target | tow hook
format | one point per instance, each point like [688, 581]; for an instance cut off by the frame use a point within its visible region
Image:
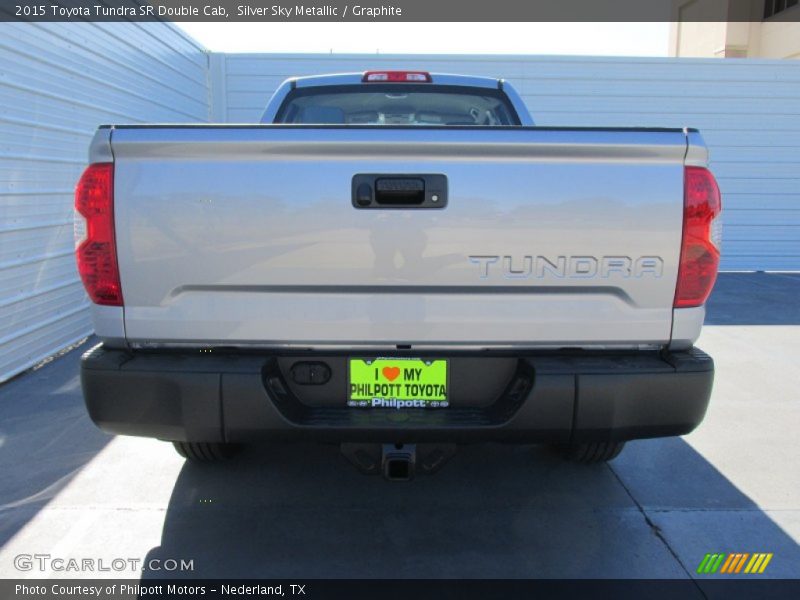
[398, 461]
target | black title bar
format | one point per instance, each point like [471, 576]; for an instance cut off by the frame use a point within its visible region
[391, 10]
[416, 589]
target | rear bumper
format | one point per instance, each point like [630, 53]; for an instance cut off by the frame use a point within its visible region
[548, 398]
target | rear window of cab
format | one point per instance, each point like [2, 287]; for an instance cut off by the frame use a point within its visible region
[397, 104]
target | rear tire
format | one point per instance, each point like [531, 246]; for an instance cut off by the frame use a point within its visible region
[589, 453]
[205, 452]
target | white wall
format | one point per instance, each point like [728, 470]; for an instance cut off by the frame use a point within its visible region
[748, 112]
[58, 82]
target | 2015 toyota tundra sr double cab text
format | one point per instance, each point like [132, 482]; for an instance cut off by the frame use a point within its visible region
[397, 262]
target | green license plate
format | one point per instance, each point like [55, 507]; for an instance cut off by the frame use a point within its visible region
[397, 383]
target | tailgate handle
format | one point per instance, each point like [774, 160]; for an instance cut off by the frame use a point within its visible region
[399, 191]
[409, 191]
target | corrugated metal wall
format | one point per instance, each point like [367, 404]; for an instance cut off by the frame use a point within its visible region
[747, 110]
[57, 83]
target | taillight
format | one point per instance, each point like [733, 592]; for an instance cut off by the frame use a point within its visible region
[95, 247]
[701, 238]
[396, 77]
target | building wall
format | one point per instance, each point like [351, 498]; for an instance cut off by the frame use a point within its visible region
[696, 39]
[58, 82]
[733, 29]
[768, 39]
[777, 39]
[748, 112]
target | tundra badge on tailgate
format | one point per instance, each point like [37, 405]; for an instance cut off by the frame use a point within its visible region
[583, 267]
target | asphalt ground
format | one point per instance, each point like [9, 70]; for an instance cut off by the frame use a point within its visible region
[495, 511]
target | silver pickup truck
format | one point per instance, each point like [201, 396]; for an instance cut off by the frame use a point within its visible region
[397, 262]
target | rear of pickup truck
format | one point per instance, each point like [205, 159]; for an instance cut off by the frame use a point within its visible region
[397, 285]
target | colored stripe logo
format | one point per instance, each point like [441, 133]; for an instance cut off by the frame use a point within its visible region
[734, 563]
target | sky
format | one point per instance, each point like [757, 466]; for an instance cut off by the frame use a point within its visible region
[600, 39]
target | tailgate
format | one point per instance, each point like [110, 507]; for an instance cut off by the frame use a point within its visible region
[250, 236]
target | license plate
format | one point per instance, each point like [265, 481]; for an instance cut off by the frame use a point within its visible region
[397, 383]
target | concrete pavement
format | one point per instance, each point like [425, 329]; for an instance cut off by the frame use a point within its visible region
[301, 510]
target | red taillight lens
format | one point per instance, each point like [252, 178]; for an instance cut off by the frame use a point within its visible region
[397, 77]
[96, 251]
[700, 247]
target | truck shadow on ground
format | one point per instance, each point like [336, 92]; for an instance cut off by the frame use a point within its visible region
[495, 511]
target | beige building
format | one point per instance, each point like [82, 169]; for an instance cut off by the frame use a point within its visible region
[735, 28]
